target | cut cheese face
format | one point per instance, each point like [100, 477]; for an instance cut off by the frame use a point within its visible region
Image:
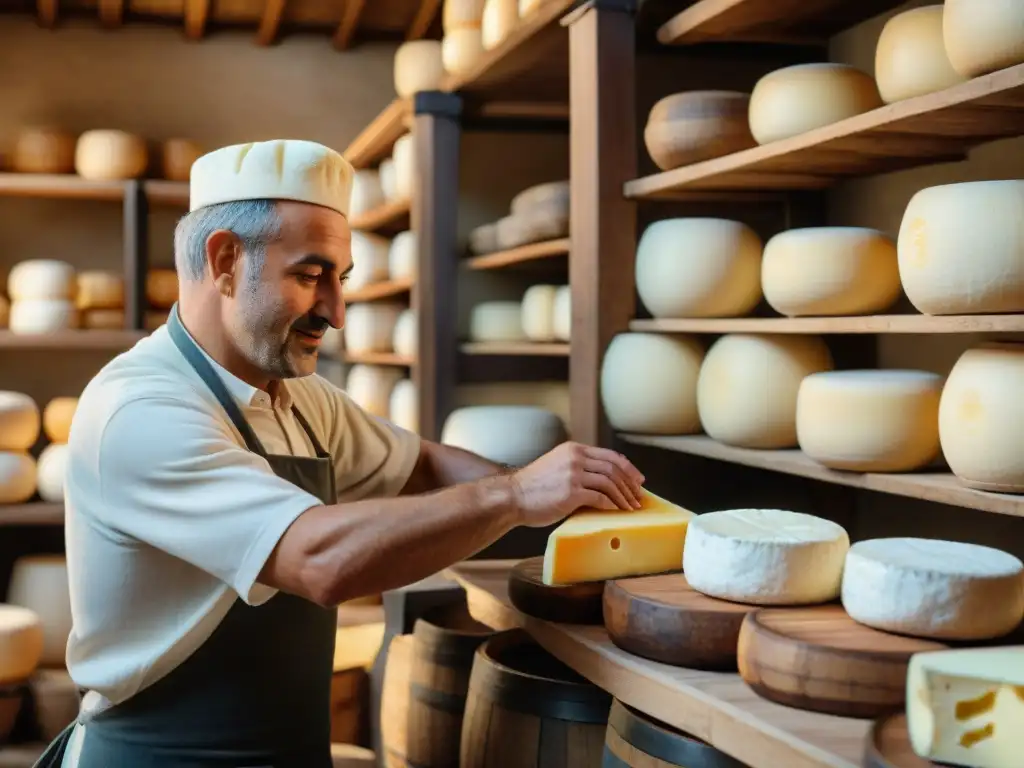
[595, 545]
[943, 590]
[766, 556]
[966, 706]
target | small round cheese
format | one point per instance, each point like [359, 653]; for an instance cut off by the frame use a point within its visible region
[461, 13]
[403, 256]
[649, 383]
[870, 421]
[944, 590]
[50, 467]
[802, 97]
[57, 701]
[43, 315]
[538, 312]
[961, 248]
[57, 416]
[388, 181]
[177, 157]
[161, 288]
[404, 339]
[43, 150]
[982, 36]
[551, 196]
[367, 192]
[107, 155]
[404, 157]
[497, 321]
[484, 239]
[765, 556]
[17, 478]
[830, 271]
[332, 342]
[461, 49]
[562, 320]
[21, 643]
[19, 421]
[369, 260]
[370, 387]
[369, 326]
[41, 279]
[506, 434]
[500, 17]
[40, 583]
[98, 289]
[981, 414]
[699, 268]
[692, 126]
[748, 386]
[102, 319]
[910, 58]
[403, 408]
[418, 67]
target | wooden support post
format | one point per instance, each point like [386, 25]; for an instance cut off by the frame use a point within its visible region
[135, 235]
[435, 199]
[602, 158]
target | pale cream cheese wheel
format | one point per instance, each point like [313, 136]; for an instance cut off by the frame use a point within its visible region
[461, 13]
[403, 407]
[562, 321]
[40, 583]
[57, 417]
[21, 643]
[110, 155]
[527, 7]
[982, 36]
[499, 18]
[41, 279]
[497, 321]
[418, 67]
[43, 150]
[161, 288]
[20, 421]
[461, 49]
[17, 477]
[403, 154]
[404, 339]
[370, 386]
[388, 180]
[910, 57]
[538, 312]
[370, 326]
[50, 468]
[688, 127]
[99, 289]
[506, 434]
[367, 192]
[403, 256]
[369, 260]
[43, 316]
[547, 222]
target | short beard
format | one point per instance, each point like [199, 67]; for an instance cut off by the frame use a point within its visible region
[261, 339]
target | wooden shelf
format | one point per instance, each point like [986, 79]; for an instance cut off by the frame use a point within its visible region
[526, 348]
[32, 513]
[940, 487]
[59, 186]
[375, 141]
[170, 193]
[73, 339]
[382, 290]
[390, 217]
[717, 707]
[908, 324]
[377, 358]
[937, 127]
[521, 255]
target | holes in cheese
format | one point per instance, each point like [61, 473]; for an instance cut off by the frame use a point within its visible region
[98, 289]
[17, 476]
[403, 407]
[461, 49]
[403, 256]
[981, 36]
[507, 434]
[370, 386]
[57, 416]
[367, 192]
[497, 321]
[499, 19]
[21, 643]
[910, 57]
[692, 126]
[404, 156]
[110, 155]
[369, 260]
[594, 545]
[418, 67]
[19, 421]
[404, 339]
[370, 326]
[945, 590]
[40, 584]
[50, 467]
[34, 279]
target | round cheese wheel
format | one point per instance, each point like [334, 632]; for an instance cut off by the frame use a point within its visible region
[98, 289]
[21, 643]
[830, 271]
[57, 701]
[332, 342]
[19, 421]
[528, 6]
[352, 756]
[403, 256]
[800, 98]
[41, 279]
[177, 156]
[5, 311]
[404, 339]
[102, 319]
[910, 58]
[506, 434]
[961, 248]
[532, 226]
[538, 312]
[403, 408]
[43, 150]
[562, 321]
[369, 260]
[161, 288]
[945, 590]
[108, 155]
[981, 36]
[404, 156]
[40, 583]
[499, 19]
[551, 196]
[461, 13]
[369, 326]
[50, 468]
[388, 181]
[692, 126]
[497, 321]
[649, 383]
[370, 387]
[461, 49]
[418, 67]
[17, 479]
[765, 556]
[748, 387]
[699, 268]
[980, 417]
[43, 316]
[484, 239]
[57, 416]
[367, 192]
[870, 421]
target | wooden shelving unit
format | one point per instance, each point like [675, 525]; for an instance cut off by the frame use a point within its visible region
[378, 358]
[907, 324]
[524, 348]
[389, 218]
[385, 289]
[32, 513]
[526, 254]
[71, 340]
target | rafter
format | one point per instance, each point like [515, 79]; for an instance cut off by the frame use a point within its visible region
[111, 13]
[46, 10]
[196, 14]
[424, 18]
[273, 10]
[349, 24]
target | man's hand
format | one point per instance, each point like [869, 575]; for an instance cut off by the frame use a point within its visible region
[573, 476]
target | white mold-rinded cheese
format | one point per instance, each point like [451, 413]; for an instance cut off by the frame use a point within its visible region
[403, 154]
[50, 467]
[43, 315]
[370, 386]
[20, 421]
[403, 407]
[403, 256]
[161, 288]
[507, 434]
[830, 271]
[17, 477]
[699, 267]
[965, 706]
[461, 49]
[404, 339]
[961, 248]
[910, 57]
[369, 260]
[57, 416]
[21, 643]
[802, 97]
[870, 421]
[980, 417]
[367, 192]
[370, 326]
[497, 321]
[40, 583]
[765, 556]
[418, 67]
[748, 386]
[500, 17]
[944, 590]
[982, 36]
[538, 312]
[388, 180]
[563, 313]
[649, 383]
[99, 289]
[461, 13]
[110, 155]
[41, 279]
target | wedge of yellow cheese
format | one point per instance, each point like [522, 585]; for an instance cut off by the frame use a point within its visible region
[594, 545]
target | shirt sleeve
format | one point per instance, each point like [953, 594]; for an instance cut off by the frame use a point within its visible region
[173, 476]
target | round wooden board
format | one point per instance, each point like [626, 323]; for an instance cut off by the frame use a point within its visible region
[888, 745]
[567, 604]
[664, 619]
[818, 658]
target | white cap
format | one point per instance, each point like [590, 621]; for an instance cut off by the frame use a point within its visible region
[282, 169]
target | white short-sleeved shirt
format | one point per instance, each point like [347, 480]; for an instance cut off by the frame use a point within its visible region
[170, 518]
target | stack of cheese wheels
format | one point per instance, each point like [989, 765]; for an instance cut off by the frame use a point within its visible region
[21, 648]
[110, 155]
[367, 192]
[982, 36]
[43, 150]
[100, 299]
[418, 67]
[404, 338]
[57, 418]
[370, 386]
[403, 256]
[369, 260]
[462, 45]
[696, 267]
[540, 212]
[539, 307]
[500, 17]
[403, 407]
[910, 58]
[507, 434]
[748, 386]
[42, 294]
[793, 100]
[961, 248]
[691, 126]
[403, 155]
[370, 326]
[20, 423]
[497, 321]
[177, 157]
[649, 383]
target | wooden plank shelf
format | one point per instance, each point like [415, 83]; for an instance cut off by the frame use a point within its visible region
[390, 217]
[934, 128]
[32, 513]
[377, 358]
[522, 255]
[71, 340]
[169, 193]
[59, 186]
[940, 487]
[525, 348]
[383, 290]
[717, 707]
[906, 324]
[376, 140]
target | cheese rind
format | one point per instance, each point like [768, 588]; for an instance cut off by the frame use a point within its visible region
[497, 321]
[50, 470]
[34, 279]
[981, 36]
[418, 67]
[57, 417]
[369, 260]
[20, 421]
[370, 386]
[17, 477]
[370, 327]
[910, 58]
[538, 312]
[367, 192]
[765, 556]
[506, 434]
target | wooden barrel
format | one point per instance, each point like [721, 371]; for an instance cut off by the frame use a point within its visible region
[394, 702]
[445, 642]
[522, 701]
[634, 740]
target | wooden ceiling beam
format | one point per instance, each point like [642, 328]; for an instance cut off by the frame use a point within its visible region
[111, 13]
[273, 10]
[424, 18]
[196, 14]
[349, 24]
[46, 12]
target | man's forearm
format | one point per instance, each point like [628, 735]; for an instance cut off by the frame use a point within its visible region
[443, 465]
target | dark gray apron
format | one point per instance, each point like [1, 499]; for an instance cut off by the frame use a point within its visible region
[256, 694]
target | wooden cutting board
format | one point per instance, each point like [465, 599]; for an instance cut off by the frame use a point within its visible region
[566, 604]
[818, 658]
[888, 745]
[664, 619]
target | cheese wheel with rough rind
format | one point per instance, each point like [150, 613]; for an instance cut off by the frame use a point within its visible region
[369, 260]
[109, 155]
[692, 126]
[99, 289]
[533, 226]
[50, 467]
[367, 192]
[506, 434]
[562, 321]
[403, 256]
[40, 583]
[418, 67]
[910, 57]
[981, 36]
[43, 316]
[461, 49]
[403, 407]
[370, 386]
[41, 279]
[388, 180]
[20, 421]
[404, 339]
[43, 150]
[500, 17]
[57, 417]
[17, 477]
[497, 321]
[21, 643]
[538, 312]
[370, 326]
[161, 288]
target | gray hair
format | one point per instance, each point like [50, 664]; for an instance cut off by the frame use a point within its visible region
[255, 222]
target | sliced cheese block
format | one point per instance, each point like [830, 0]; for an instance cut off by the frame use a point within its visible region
[19, 421]
[981, 36]
[370, 386]
[98, 289]
[689, 127]
[43, 315]
[965, 706]
[699, 268]
[980, 418]
[532, 226]
[50, 468]
[404, 157]
[43, 150]
[418, 67]
[57, 701]
[945, 590]
[404, 339]
[17, 477]
[161, 288]
[506, 434]
[369, 260]
[21, 643]
[830, 271]
[177, 156]
[388, 180]
[367, 192]
[461, 49]
[497, 321]
[5, 311]
[41, 279]
[40, 583]
[500, 17]
[594, 545]
[484, 239]
[802, 97]
[551, 196]
[649, 383]
[765, 556]
[403, 256]
[461, 13]
[57, 416]
[748, 387]
[403, 408]
[370, 327]
[538, 312]
[910, 57]
[108, 155]
[562, 320]
[961, 248]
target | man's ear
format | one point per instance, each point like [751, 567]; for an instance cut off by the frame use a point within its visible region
[224, 258]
